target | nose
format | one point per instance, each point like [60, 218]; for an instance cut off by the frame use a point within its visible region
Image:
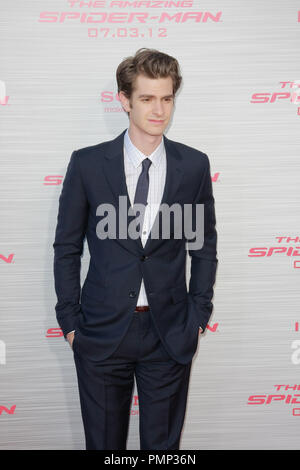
[158, 108]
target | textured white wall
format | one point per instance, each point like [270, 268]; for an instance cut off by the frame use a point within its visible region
[53, 75]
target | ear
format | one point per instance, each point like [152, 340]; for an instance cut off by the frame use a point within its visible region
[124, 101]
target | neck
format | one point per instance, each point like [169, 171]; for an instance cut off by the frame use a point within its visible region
[146, 143]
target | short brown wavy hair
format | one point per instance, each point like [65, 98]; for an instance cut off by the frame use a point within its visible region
[151, 63]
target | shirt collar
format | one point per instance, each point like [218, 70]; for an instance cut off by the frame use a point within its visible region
[136, 156]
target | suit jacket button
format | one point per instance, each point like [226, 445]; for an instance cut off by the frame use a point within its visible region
[132, 294]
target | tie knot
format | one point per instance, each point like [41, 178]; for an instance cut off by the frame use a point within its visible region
[146, 164]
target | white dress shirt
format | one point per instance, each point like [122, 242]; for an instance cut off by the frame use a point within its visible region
[133, 158]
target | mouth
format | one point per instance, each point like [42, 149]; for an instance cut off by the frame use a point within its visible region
[156, 121]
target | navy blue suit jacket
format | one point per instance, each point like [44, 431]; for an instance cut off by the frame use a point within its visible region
[101, 311]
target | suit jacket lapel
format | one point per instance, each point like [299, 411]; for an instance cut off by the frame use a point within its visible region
[115, 174]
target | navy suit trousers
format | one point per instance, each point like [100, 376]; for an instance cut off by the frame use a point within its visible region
[106, 387]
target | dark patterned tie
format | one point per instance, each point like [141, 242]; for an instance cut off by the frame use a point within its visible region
[142, 187]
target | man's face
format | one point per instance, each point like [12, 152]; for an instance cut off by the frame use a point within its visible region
[151, 105]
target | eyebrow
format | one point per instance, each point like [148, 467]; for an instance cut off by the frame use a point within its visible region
[152, 96]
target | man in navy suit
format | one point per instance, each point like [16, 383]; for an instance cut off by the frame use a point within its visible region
[134, 316]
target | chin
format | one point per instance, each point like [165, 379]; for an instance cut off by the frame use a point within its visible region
[156, 130]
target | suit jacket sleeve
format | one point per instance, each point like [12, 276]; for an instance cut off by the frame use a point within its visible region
[68, 246]
[204, 261]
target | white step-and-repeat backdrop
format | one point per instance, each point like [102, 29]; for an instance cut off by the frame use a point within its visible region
[239, 103]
